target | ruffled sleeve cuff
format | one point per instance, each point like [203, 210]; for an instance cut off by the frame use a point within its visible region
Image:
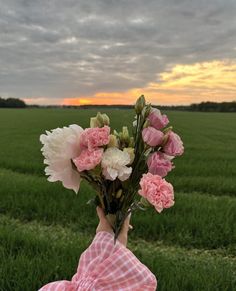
[107, 266]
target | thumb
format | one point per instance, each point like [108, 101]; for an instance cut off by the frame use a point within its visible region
[125, 227]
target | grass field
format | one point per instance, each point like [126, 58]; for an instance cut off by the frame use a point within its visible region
[44, 227]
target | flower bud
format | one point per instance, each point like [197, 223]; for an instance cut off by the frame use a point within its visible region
[113, 142]
[122, 198]
[125, 133]
[103, 118]
[131, 142]
[165, 138]
[146, 124]
[140, 104]
[148, 109]
[106, 119]
[94, 122]
[115, 133]
[130, 151]
[135, 123]
[119, 193]
[169, 128]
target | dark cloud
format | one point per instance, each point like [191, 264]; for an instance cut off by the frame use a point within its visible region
[70, 48]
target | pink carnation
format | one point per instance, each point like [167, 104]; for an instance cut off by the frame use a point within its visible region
[156, 119]
[159, 164]
[88, 159]
[157, 191]
[174, 145]
[152, 136]
[95, 137]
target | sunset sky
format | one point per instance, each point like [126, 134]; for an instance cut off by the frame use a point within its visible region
[111, 52]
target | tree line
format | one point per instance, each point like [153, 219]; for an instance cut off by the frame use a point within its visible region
[214, 106]
[203, 106]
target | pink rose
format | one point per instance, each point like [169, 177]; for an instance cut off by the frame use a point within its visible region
[88, 159]
[159, 164]
[156, 119]
[95, 137]
[174, 145]
[157, 191]
[152, 136]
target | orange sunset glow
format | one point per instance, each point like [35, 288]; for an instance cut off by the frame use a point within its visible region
[180, 84]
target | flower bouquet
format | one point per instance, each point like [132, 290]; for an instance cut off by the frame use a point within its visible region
[126, 170]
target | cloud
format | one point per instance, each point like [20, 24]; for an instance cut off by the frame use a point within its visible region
[181, 84]
[60, 49]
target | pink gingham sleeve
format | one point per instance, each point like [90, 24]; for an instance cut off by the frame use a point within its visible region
[106, 266]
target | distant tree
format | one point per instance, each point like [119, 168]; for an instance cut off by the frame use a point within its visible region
[2, 102]
[12, 103]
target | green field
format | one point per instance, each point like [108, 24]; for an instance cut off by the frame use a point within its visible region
[44, 227]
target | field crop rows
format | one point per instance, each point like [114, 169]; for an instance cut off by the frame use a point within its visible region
[189, 247]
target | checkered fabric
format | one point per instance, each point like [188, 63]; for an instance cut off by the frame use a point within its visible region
[106, 266]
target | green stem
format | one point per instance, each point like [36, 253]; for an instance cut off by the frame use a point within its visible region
[137, 127]
[95, 185]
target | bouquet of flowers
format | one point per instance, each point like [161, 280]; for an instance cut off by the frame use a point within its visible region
[125, 170]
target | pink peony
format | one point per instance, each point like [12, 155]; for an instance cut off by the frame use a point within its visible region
[95, 137]
[174, 145]
[88, 159]
[156, 119]
[152, 136]
[159, 164]
[157, 191]
[60, 146]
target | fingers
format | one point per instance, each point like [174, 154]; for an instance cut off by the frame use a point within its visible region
[103, 224]
[123, 235]
[126, 226]
[100, 213]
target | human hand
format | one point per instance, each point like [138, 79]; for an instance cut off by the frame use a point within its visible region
[104, 225]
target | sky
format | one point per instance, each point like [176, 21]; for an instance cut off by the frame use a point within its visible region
[75, 52]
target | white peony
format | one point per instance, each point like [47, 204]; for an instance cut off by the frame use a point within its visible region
[114, 163]
[59, 147]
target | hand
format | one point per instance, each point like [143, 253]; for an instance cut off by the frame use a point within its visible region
[104, 225]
